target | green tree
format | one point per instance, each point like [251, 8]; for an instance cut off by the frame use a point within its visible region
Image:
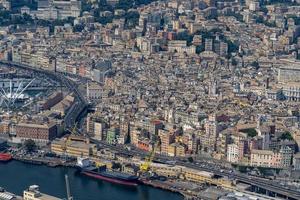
[251, 132]
[116, 165]
[234, 62]
[190, 159]
[78, 27]
[286, 136]
[132, 19]
[255, 64]
[30, 145]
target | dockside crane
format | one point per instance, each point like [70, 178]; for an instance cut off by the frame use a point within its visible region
[145, 167]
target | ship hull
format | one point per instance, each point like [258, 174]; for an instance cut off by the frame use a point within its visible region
[4, 157]
[4, 160]
[108, 179]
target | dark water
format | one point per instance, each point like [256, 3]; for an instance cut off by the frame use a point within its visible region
[16, 176]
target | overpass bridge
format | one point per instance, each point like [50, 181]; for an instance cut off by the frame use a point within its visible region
[78, 107]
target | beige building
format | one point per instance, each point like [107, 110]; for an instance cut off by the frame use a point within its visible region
[233, 155]
[166, 170]
[189, 174]
[33, 193]
[205, 177]
[262, 158]
[289, 72]
[72, 146]
[267, 158]
[166, 137]
[176, 149]
[63, 106]
[180, 46]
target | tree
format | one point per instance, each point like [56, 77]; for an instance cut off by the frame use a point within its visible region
[78, 27]
[286, 136]
[251, 132]
[30, 145]
[116, 165]
[255, 64]
[185, 36]
[132, 19]
[234, 62]
[190, 159]
[200, 48]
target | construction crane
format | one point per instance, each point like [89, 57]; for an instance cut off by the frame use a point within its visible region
[68, 140]
[144, 167]
[74, 130]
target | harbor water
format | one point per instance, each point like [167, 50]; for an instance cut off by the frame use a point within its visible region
[16, 176]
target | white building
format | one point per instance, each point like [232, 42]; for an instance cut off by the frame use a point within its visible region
[54, 9]
[291, 91]
[5, 4]
[180, 46]
[233, 153]
[98, 130]
[254, 6]
[296, 161]
[94, 91]
[33, 193]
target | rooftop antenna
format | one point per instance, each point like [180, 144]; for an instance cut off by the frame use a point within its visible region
[69, 197]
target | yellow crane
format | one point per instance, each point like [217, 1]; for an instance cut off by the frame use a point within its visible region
[68, 139]
[74, 129]
[144, 167]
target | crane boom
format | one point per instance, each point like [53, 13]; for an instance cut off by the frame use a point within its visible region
[148, 160]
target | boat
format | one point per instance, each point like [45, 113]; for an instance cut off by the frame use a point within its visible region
[101, 173]
[5, 157]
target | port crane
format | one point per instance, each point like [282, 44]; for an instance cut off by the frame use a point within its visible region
[74, 130]
[144, 167]
[68, 140]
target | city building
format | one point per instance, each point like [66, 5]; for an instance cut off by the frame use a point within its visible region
[267, 158]
[94, 91]
[73, 146]
[52, 100]
[180, 46]
[41, 133]
[289, 73]
[209, 139]
[166, 138]
[296, 161]
[5, 4]
[33, 193]
[233, 153]
[54, 9]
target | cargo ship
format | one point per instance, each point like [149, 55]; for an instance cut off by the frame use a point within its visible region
[102, 173]
[5, 157]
